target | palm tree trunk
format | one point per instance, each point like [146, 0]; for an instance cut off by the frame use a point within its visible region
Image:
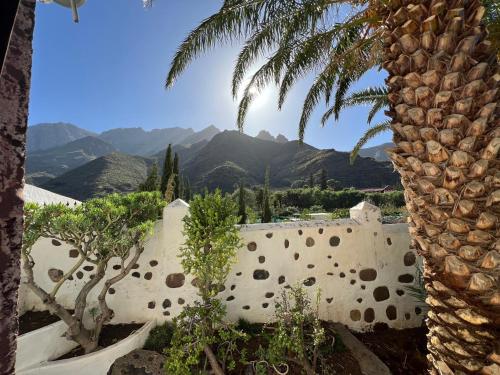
[444, 90]
[14, 93]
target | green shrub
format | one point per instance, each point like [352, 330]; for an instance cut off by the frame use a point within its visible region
[159, 338]
[340, 213]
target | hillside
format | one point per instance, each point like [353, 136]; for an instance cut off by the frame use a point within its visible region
[290, 161]
[108, 174]
[60, 159]
[45, 136]
[376, 152]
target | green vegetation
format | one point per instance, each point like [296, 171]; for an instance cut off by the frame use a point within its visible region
[152, 181]
[168, 169]
[208, 254]
[177, 179]
[99, 230]
[159, 337]
[242, 210]
[267, 215]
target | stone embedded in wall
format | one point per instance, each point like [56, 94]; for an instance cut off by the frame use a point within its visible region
[320, 230]
[300, 232]
[148, 275]
[111, 291]
[391, 312]
[368, 274]
[355, 315]
[265, 305]
[153, 263]
[309, 242]
[406, 278]
[369, 315]
[166, 303]
[79, 274]
[269, 235]
[349, 230]
[166, 313]
[310, 266]
[281, 279]
[73, 253]
[287, 243]
[260, 274]
[88, 268]
[418, 310]
[329, 300]
[353, 282]
[262, 259]
[342, 274]
[329, 273]
[151, 305]
[352, 270]
[233, 287]
[381, 293]
[246, 307]
[181, 301]
[269, 295]
[135, 266]
[252, 246]
[194, 282]
[136, 274]
[310, 281]
[175, 280]
[238, 273]
[55, 242]
[230, 298]
[359, 300]
[335, 264]
[55, 274]
[389, 241]
[296, 256]
[400, 292]
[117, 267]
[334, 241]
[409, 259]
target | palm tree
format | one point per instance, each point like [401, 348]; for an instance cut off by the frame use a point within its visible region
[442, 90]
[14, 95]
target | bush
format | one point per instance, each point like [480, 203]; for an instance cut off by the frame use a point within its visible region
[159, 338]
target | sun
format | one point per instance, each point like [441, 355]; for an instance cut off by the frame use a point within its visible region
[260, 98]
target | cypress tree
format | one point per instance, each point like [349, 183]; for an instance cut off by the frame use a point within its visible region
[242, 210]
[267, 214]
[311, 181]
[187, 190]
[177, 179]
[168, 168]
[323, 179]
[151, 182]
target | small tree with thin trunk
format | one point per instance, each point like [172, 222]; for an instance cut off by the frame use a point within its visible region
[311, 180]
[208, 254]
[99, 230]
[168, 168]
[177, 178]
[267, 214]
[242, 210]
[323, 181]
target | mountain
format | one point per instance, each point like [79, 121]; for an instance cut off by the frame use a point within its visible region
[44, 164]
[112, 173]
[203, 135]
[266, 136]
[137, 141]
[45, 136]
[376, 152]
[231, 155]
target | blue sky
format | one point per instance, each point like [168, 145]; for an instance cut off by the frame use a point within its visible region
[108, 71]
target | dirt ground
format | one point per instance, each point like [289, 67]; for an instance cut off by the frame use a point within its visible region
[403, 351]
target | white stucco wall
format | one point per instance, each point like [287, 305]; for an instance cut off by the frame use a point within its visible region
[334, 256]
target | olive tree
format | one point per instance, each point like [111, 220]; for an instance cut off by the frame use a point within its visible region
[99, 230]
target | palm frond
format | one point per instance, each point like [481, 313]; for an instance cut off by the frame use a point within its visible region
[370, 133]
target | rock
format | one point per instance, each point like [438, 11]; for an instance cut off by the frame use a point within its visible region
[138, 362]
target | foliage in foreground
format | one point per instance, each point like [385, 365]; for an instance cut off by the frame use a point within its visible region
[159, 337]
[98, 230]
[208, 254]
[298, 336]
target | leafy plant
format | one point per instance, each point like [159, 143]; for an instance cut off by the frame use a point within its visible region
[208, 254]
[98, 230]
[417, 290]
[298, 336]
[160, 337]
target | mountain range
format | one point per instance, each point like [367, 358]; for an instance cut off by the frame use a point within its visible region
[81, 164]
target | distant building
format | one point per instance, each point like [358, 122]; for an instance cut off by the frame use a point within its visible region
[35, 194]
[378, 190]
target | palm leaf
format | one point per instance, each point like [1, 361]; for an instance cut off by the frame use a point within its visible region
[370, 133]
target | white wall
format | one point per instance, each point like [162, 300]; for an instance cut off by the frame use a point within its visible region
[365, 246]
